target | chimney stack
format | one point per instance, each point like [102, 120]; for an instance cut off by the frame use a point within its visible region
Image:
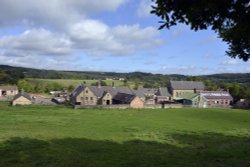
[99, 84]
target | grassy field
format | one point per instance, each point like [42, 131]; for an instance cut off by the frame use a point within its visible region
[52, 136]
[74, 82]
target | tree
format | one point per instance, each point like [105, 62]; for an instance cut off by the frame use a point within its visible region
[70, 88]
[24, 85]
[39, 88]
[228, 18]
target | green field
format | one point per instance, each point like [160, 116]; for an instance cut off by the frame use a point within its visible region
[52, 136]
[74, 82]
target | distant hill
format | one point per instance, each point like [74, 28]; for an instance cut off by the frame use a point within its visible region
[229, 77]
[133, 76]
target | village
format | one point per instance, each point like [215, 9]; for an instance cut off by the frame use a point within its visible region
[180, 94]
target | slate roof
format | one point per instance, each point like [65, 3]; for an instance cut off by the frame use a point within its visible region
[216, 95]
[123, 97]
[77, 91]
[99, 91]
[24, 94]
[142, 91]
[187, 85]
[163, 91]
[5, 88]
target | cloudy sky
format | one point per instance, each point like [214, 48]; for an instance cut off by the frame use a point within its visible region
[110, 35]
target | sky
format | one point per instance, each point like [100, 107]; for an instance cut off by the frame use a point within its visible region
[110, 35]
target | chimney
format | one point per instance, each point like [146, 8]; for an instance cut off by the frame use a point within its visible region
[99, 84]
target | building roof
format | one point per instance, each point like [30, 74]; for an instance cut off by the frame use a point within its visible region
[5, 88]
[187, 85]
[77, 91]
[141, 92]
[216, 95]
[163, 91]
[23, 94]
[100, 90]
[123, 97]
[188, 96]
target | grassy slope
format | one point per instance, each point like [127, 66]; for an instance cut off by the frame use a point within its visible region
[74, 82]
[59, 136]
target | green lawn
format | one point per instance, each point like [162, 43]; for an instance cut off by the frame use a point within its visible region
[51, 136]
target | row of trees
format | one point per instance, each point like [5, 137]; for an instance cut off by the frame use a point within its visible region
[41, 87]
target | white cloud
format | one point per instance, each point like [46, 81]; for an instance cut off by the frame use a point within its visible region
[53, 12]
[230, 62]
[144, 8]
[58, 30]
[35, 42]
[97, 38]
[88, 37]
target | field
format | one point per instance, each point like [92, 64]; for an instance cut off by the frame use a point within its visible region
[52, 136]
[74, 82]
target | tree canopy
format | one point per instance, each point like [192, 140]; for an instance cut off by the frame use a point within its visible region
[229, 18]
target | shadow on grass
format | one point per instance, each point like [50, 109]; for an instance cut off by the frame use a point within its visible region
[207, 150]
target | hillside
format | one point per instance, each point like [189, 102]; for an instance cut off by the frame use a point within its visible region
[133, 76]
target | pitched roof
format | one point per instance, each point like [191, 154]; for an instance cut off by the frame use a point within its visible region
[187, 85]
[141, 92]
[188, 96]
[123, 97]
[216, 95]
[5, 88]
[77, 91]
[24, 94]
[163, 91]
[99, 91]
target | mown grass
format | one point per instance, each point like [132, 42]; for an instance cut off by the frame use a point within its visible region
[61, 136]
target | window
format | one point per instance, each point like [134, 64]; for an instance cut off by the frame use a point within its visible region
[91, 98]
[86, 91]
[81, 98]
[86, 98]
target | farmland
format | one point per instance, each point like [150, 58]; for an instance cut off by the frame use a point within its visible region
[62, 136]
[74, 82]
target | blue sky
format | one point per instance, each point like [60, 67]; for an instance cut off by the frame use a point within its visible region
[111, 35]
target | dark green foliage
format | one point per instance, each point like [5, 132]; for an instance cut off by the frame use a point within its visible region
[10, 76]
[70, 88]
[229, 18]
[102, 83]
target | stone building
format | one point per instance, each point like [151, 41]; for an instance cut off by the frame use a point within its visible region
[97, 95]
[132, 100]
[178, 88]
[22, 98]
[8, 90]
[217, 98]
